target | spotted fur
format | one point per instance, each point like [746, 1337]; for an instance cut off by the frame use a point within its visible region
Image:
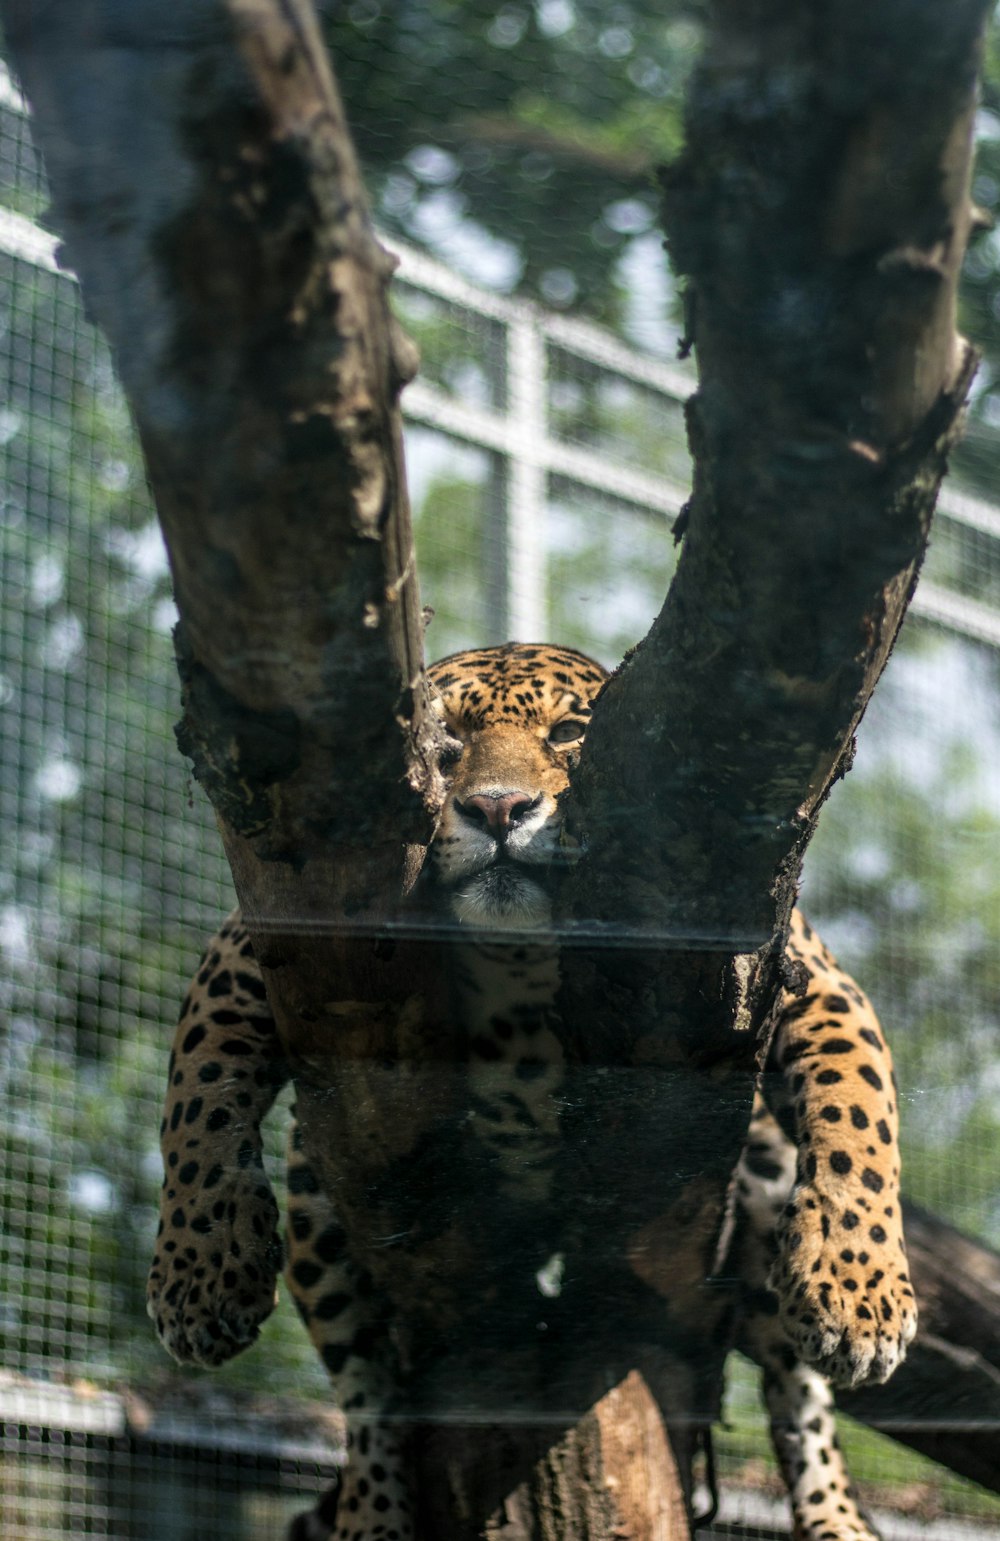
[797, 1395]
[820, 1246]
[840, 1271]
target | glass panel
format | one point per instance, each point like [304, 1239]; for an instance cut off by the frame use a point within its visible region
[454, 490]
[608, 569]
[902, 880]
[111, 876]
[964, 560]
[460, 351]
[22, 184]
[597, 409]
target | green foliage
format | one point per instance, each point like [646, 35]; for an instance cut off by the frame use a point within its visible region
[620, 418]
[539, 124]
[980, 293]
[450, 541]
[608, 570]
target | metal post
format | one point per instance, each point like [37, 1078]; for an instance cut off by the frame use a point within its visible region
[527, 610]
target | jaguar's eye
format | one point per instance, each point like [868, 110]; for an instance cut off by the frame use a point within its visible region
[569, 731]
[451, 753]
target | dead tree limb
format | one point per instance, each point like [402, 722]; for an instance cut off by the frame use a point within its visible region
[207, 191]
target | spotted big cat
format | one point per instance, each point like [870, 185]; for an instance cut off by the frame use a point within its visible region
[821, 1255]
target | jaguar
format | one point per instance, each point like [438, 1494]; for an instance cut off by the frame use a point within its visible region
[826, 1298]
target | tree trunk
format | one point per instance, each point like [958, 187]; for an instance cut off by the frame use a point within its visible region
[205, 183]
[611, 1475]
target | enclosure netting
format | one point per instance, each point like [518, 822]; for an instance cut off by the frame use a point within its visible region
[546, 460]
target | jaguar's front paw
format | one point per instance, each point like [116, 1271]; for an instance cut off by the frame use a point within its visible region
[213, 1277]
[844, 1294]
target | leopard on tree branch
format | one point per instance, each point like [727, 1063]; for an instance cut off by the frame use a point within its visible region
[820, 1250]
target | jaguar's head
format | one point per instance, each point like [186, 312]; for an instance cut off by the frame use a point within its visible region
[516, 716]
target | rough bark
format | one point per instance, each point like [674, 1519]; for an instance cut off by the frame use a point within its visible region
[613, 1475]
[206, 187]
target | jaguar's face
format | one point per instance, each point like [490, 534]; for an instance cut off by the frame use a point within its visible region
[516, 716]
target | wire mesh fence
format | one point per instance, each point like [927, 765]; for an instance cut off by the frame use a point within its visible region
[530, 438]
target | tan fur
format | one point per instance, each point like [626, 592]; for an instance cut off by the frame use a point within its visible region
[820, 1245]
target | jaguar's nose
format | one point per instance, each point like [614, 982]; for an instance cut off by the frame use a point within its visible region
[498, 813]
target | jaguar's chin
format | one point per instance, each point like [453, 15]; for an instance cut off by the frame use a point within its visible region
[501, 897]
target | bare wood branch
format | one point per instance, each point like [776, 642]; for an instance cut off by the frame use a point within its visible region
[612, 1475]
